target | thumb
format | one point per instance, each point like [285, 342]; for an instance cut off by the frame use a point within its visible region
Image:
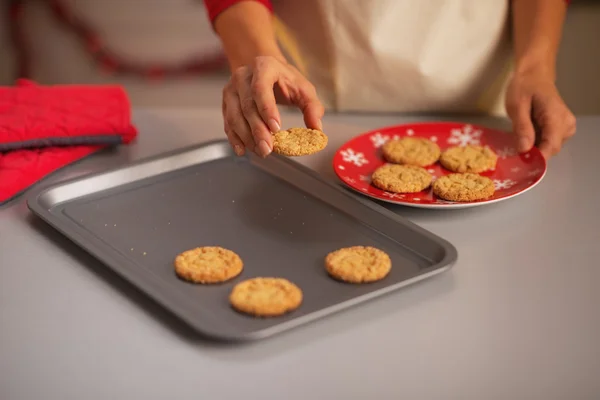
[522, 125]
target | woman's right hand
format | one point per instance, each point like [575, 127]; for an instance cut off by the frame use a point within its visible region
[250, 100]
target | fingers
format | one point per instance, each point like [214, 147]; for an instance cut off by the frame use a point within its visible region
[312, 108]
[237, 129]
[250, 107]
[551, 140]
[234, 140]
[259, 130]
[265, 75]
[519, 112]
[557, 124]
[556, 131]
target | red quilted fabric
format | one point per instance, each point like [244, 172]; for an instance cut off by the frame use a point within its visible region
[44, 128]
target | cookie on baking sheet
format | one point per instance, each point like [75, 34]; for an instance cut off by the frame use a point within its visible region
[208, 265]
[265, 297]
[299, 142]
[358, 264]
[464, 187]
[471, 158]
[411, 151]
[401, 178]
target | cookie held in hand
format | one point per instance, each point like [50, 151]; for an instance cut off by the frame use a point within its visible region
[299, 142]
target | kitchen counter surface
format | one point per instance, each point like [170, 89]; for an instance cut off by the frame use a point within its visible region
[518, 317]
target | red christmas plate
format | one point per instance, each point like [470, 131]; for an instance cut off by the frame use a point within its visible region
[515, 173]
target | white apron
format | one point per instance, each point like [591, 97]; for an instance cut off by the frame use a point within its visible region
[400, 55]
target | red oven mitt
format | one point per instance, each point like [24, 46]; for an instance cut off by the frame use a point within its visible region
[44, 128]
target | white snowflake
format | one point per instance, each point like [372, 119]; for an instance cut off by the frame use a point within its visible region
[433, 139]
[353, 157]
[341, 167]
[349, 179]
[503, 184]
[410, 132]
[534, 172]
[466, 135]
[378, 139]
[527, 155]
[515, 169]
[431, 170]
[365, 178]
[416, 199]
[393, 195]
[506, 152]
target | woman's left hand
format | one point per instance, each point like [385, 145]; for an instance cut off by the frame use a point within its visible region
[535, 107]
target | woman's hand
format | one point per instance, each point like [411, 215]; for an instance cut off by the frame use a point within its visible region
[535, 106]
[250, 99]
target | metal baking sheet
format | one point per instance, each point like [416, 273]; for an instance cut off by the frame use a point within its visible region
[279, 216]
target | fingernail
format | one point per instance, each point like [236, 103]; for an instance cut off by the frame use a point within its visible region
[238, 150]
[320, 125]
[263, 148]
[274, 126]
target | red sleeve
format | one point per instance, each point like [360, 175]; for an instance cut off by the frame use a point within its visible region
[216, 7]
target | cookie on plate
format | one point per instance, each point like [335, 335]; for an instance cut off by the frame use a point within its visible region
[208, 265]
[358, 264]
[470, 158]
[265, 297]
[464, 187]
[411, 151]
[299, 142]
[401, 178]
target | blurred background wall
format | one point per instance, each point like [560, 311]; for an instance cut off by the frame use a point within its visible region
[148, 32]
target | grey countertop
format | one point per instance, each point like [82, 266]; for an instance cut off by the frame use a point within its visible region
[517, 318]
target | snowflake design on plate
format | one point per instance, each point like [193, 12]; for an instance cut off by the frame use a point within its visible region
[506, 152]
[433, 139]
[349, 179]
[378, 139]
[356, 158]
[465, 136]
[500, 184]
[442, 201]
[393, 195]
[341, 167]
[515, 169]
[410, 132]
[534, 172]
[365, 178]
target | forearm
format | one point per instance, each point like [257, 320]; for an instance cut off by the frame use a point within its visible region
[537, 29]
[246, 32]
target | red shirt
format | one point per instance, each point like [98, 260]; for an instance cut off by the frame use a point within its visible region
[216, 7]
